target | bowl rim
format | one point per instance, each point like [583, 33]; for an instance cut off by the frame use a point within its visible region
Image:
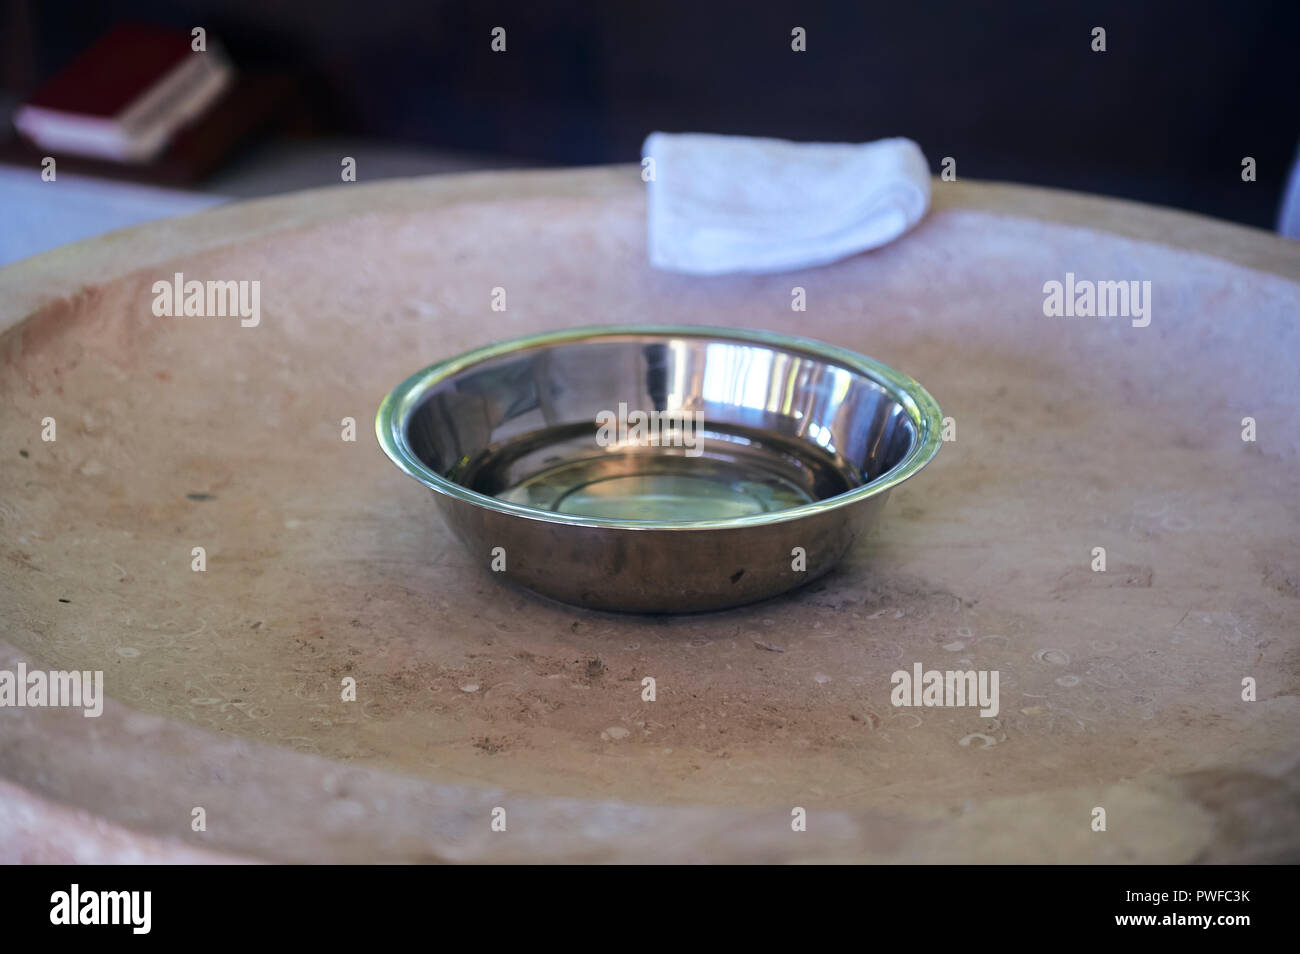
[396, 407]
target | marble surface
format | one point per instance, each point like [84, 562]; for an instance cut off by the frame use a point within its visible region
[1119, 690]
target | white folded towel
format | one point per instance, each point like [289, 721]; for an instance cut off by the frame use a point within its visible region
[739, 204]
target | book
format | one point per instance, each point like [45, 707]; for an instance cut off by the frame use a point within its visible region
[127, 96]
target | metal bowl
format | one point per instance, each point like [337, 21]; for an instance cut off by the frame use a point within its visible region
[755, 462]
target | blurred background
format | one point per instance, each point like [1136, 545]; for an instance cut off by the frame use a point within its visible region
[1013, 91]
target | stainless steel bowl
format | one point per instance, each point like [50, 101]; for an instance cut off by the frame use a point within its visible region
[757, 459]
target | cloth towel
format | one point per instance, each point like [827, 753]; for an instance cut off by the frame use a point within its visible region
[719, 204]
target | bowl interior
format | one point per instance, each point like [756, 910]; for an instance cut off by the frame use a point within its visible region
[660, 428]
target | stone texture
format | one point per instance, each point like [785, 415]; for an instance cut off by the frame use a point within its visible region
[1120, 690]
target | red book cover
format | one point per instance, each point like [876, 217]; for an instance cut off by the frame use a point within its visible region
[120, 68]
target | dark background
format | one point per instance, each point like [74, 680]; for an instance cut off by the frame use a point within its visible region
[1012, 90]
